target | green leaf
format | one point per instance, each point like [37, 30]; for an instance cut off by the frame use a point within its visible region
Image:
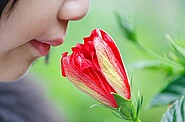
[127, 28]
[170, 93]
[176, 113]
[125, 107]
[177, 53]
[119, 116]
[153, 65]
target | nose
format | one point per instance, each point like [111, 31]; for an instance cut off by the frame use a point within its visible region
[73, 9]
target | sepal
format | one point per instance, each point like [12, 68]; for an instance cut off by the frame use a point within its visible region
[139, 102]
[128, 109]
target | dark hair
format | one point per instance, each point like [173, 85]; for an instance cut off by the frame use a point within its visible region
[3, 4]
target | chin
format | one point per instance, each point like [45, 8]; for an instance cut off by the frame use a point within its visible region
[23, 74]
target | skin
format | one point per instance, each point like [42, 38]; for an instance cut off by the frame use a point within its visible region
[33, 19]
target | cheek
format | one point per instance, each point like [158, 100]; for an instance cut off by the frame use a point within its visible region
[43, 16]
[13, 32]
[23, 25]
[38, 25]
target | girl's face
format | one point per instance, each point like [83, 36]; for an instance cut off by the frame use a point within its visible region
[31, 28]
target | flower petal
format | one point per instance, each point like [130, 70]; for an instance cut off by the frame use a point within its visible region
[111, 67]
[88, 80]
[62, 65]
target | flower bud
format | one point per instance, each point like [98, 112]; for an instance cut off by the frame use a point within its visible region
[96, 68]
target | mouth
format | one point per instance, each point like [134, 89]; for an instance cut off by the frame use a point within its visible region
[43, 47]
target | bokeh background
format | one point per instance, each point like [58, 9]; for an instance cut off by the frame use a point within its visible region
[152, 18]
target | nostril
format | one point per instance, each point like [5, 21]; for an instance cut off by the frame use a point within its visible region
[73, 9]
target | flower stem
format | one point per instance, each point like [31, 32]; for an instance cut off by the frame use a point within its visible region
[146, 50]
[137, 120]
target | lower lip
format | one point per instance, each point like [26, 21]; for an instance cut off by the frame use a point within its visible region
[42, 48]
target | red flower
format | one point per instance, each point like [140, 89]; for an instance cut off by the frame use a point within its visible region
[96, 68]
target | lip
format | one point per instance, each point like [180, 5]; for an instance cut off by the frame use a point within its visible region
[43, 47]
[54, 42]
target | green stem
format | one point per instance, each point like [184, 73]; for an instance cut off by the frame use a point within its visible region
[137, 120]
[148, 51]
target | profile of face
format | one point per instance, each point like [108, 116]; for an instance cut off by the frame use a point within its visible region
[30, 29]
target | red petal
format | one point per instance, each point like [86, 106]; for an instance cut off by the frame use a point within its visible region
[107, 38]
[102, 84]
[62, 65]
[110, 42]
[91, 79]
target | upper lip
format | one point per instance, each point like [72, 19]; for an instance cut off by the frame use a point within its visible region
[53, 42]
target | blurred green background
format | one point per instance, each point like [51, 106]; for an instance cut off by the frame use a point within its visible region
[152, 18]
